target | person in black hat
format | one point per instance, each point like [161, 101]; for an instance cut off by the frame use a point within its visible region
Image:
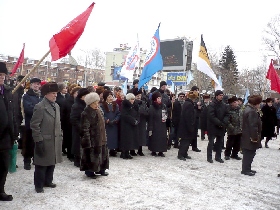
[7, 124]
[203, 115]
[217, 122]
[234, 129]
[47, 135]
[29, 100]
[101, 84]
[75, 118]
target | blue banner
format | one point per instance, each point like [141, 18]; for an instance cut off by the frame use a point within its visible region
[178, 78]
[117, 74]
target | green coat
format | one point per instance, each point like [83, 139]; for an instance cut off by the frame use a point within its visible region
[234, 126]
[46, 127]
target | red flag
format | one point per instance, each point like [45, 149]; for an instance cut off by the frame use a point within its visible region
[273, 77]
[19, 61]
[64, 41]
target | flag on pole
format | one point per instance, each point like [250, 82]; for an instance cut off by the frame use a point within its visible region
[64, 41]
[124, 87]
[19, 61]
[131, 61]
[172, 89]
[247, 94]
[153, 61]
[273, 77]
[203, 64]
[190, 77]
[220, 80]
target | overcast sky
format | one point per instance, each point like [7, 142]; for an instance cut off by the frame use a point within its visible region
[236, 23]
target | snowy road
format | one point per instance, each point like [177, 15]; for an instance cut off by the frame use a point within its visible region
[155, 183]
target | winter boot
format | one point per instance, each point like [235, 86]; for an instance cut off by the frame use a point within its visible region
[27, 163]
[77, 161]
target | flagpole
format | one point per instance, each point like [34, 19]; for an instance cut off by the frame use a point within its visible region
[21, 69]
[31, 71]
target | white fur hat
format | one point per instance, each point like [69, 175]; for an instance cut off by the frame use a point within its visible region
[130, 96]
[91, 98]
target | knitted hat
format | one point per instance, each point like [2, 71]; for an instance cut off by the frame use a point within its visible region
[218, 92]
[82, 92]
[3, 68]
[49, 88]
[162, 83]
[106, 93]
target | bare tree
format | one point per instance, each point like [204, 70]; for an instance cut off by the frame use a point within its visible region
[271, 37]
[93, 59]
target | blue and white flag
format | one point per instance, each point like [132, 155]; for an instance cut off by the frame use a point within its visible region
[153, 61]
[131, 61]
[172, 89]
[190, 77]
[220, 81]
[247, 94]
[124, 87]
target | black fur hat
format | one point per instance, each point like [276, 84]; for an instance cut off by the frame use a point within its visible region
[3, 68]
[82, 92]
[48, 88]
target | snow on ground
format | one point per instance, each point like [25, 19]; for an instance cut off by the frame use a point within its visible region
[155, 183]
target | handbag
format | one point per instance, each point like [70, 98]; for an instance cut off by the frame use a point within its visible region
[13, 158]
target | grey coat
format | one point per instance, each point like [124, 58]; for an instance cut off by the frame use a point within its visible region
[251, 129]
[46, 127]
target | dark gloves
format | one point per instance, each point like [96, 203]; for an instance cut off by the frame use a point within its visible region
[39, 148]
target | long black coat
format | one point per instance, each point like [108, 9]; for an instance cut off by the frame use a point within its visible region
[75, 119]
[187, 126]
[269, 121]
[176, 113]
[7, 120]
[129, 130]
[217, 118]
[158, 140]
[203, 117]
[17, 96]
[251, 128]
[142, 126]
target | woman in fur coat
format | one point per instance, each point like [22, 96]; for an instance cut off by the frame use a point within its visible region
[112, 116]
[94, 159]
[157, 126]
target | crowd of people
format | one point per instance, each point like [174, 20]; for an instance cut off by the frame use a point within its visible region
[89, 125]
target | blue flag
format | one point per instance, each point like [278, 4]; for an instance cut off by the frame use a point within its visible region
[247, 94]
[153, 61]
[220, 81]
[124, 87]
[190, 77]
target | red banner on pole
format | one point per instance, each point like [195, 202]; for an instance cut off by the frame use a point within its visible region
[19, 61]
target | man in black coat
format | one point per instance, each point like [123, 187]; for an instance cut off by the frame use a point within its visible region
[29, 100]
[187, 127]
[203, 115]
[175, 118]
[7, 134]
[217, 121]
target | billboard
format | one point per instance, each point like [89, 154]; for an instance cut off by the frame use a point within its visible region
[176, 54]
[116, 74]
[178, 78]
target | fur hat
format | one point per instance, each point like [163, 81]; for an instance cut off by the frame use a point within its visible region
[136, 81]
[255, 99]
[48, 88]
[193, 95]
[71, 86]
[91, 98]
[232, 99]
[129, 96]
[218, 92]
[136, 92]
[162, 83]
[35, 79]
[206, 96]
[82, 92]
[106, 93]
[156, 95]
[3, 68]
[75, 89]
[99, 90]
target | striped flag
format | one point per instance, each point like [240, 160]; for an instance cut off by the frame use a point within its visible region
[203, 64]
